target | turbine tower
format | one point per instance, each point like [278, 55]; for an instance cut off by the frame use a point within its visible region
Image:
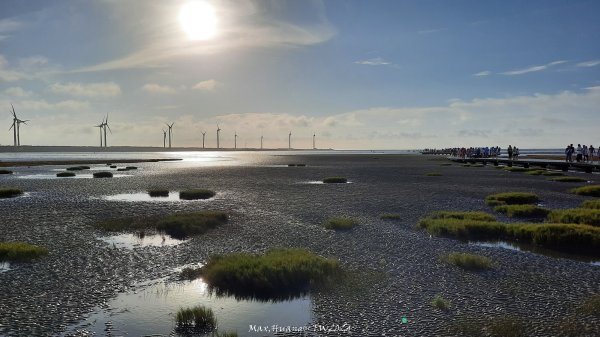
[170, 132]
[261, 142]
[164, 138]
[290, 141]
[16, 127]
[100, 127]
[105, 124]
[218, 130]
[203, 136]
[235, 140]
[314, 147]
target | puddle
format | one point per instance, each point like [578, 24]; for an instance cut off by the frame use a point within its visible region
[144, 196]
[151, 311]
[77, 176]
[135, 240]
[4, 266]
[537, 250]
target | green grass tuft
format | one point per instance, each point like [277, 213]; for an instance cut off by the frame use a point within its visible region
[189, 273]
[6, 172]
[103, 175]
[20, 251]
[591, 190]
[434, 174]
[569, 179]
[468, 261]
[158, 192]
[335, 180]
[199, 318]
[9, 192]
[440, 303]
[522, 211]
[182, 225]
[594, 204]
[587, 216]
[390, 216]
[535, 172]
[511, 198]
[516, 169]
[340, 223]
[553, 174]
[478, 216]
[195, 194]
[280, 273]
[65, 174]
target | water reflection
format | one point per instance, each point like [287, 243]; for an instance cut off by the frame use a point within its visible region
[521, 247]
[142, 196]
[134, 240]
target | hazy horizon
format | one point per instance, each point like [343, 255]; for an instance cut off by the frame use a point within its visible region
[360, 75]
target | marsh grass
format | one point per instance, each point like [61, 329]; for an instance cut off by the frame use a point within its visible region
[507, 327]
[84, 167]
[522, 211]
[440, 303]
[553, 174]
[434, 174]
[74, 168]
[335, 180]
[131, 168]
[516, 169]
[535, 172]
[511, 198]
[6, 172]
[20, 251]
[390, 216]
[569, 179]
[340, 223]
[198, 318]
[473, 165]
[594, 204]
[195, 194]
[189, 273]
[591, 306]
[468, 261]
[446, 164]
[182, 225]
[591, 190]
[103, 174]
[9, 192]
[587, 216]
[158, 192]
[65, 174]
[112, 166]
[461, 215]
[280, 273]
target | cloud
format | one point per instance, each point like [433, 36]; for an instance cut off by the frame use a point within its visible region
[106, 89]
[591, 63]
[43, 105]
[474, 133]
[158, 89]
[208, 85]
[17, 92]
[483, 73]
[8, 26]
[533, 68]
[377, 61]
[6, 74]
[431, 31]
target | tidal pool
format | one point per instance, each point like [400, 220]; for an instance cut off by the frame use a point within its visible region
[134, 240]
[151, 311]
[537, 250]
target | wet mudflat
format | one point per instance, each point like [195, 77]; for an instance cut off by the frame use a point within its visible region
[397, 266]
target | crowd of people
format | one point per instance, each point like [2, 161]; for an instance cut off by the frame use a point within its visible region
[583, 154]
[483, 152]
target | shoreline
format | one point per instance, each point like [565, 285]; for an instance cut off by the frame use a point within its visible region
[43, 148]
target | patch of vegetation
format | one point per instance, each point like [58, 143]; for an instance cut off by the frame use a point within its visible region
[587, 216]
[301, 165]
[434, 174]
[390, 216]
[440, 303]
[507, 327]
[280, 273]
[473, 165]
[6, 172]
[74, 168]
[591, 306]
[569, 179]
[468, 261]
[124, 224]
[199, 319]
[478, 216]
[591, 190]
[335, 180]
[195, 194]
[182, 225]
[522, 211]
[65, 174]
[340, 223]
[122, 169]
[103, 174]
[535, 172]
[553, 174]
[594, 204]
[112, 166]
[20, 251]
[84, 167]
[446, 164]
[189, 273]
[8, 192]
[515, 169]
[158, 192]
[131, 168]
[511, 198]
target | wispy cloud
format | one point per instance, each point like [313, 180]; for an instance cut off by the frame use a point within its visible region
[107, 89]
[158, 89]
[532, 68]
[483, 73]
[431, 31]
[376, 61]
[208, 85]
[17, 92]
[7, 26]
[7, 74]
[591, 63]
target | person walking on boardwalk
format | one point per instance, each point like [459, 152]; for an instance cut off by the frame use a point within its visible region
[586, 154]
[592, 150]
[510, 152]
[579, 153]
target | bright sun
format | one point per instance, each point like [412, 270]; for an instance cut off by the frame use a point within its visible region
[198, 20]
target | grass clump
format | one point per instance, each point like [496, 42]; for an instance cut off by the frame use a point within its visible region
[535, 172]
[340, 223]
[511, 198]
[522, 211]
[182, 225]
[594, 204]
[591, 190]
[189, 273]
[440, 303]
[9, 192]
[199, 318]
[478, 216]
[6, 172]
[335, 180]
[553, 174]
[591, 306]
[280, 273]
[515, 169]
[468, 261]
[569, 179]
[446, 164]
[131, 168]
[103, 175]
[20, 251]
[587, 216]
[195, 194]
[434, 174]
[158, 192]
[112, 166]
[390, 216]
[74, 168]
[65, 174]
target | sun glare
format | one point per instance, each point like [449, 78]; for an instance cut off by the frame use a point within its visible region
[198, 20]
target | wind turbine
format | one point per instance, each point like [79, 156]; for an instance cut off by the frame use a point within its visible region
[218, 130]
[170, 131]
[290, 141]
[261, 142]
[314, 147]
[100, 126]
[105, 127]
[16, 126]
[235, 140]
[203, 136]
[164, 138]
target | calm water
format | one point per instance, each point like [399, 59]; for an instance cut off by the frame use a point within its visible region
[520, 247]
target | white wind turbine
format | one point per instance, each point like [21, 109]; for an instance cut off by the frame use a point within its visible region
[290, 141]
[100, 127]
[235, 140]
[105, 124]
[170, 132]
[218, 131]
[203, 137]
[261, 142]
[164, 138]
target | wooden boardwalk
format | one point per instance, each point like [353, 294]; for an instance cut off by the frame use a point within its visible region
[526, 163]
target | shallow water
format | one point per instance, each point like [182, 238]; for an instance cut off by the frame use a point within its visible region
[4, 266]
[519, 247]
[131, 240]
[152, 311]
[143, 196]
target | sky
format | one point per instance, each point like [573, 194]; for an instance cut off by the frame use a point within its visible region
[381, 74]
